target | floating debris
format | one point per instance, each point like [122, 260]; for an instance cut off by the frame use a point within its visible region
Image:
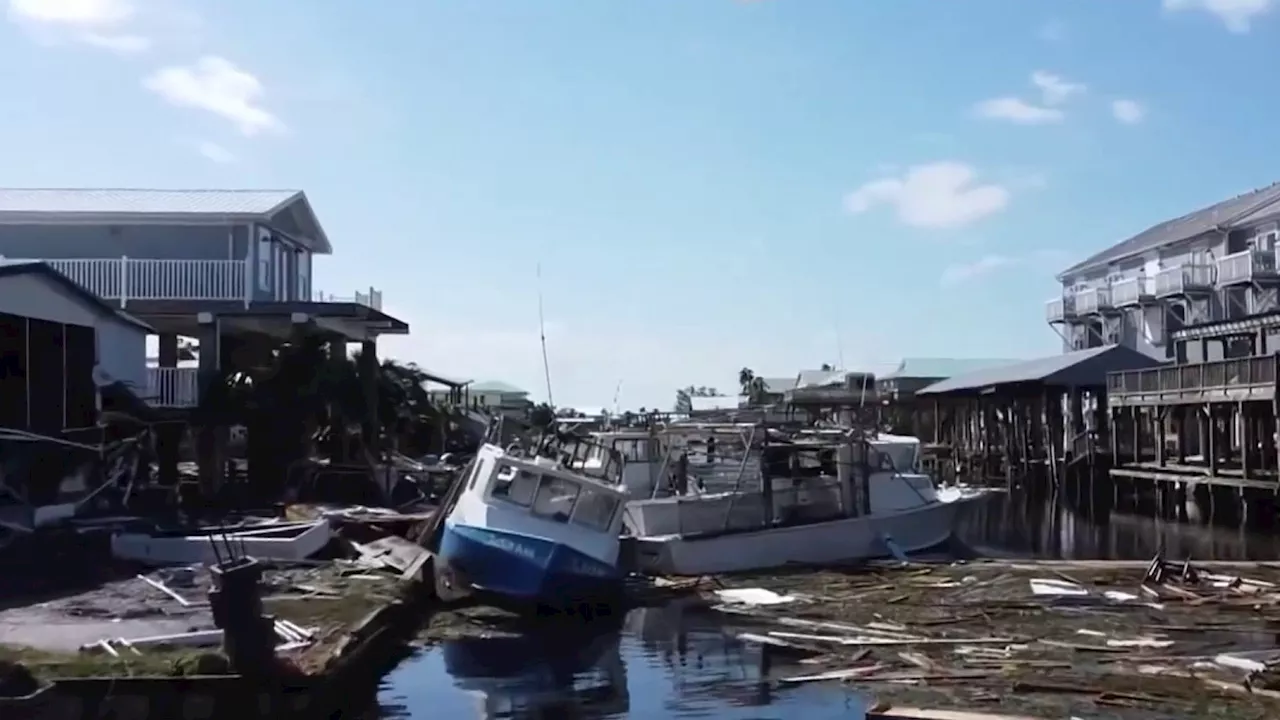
[1046, 638]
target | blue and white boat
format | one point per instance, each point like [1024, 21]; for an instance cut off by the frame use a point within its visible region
[532, 531]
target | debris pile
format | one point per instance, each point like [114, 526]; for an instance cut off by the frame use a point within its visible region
[1039, 637]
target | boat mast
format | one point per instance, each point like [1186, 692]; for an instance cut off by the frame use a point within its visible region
[542, 337]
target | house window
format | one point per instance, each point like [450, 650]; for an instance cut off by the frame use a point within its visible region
[264, 262]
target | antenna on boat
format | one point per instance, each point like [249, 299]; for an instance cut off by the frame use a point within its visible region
[617, 391]
[542, 336]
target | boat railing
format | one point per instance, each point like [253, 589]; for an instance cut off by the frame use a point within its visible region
[584, 456]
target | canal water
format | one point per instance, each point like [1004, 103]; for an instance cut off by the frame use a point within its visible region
[672, 663]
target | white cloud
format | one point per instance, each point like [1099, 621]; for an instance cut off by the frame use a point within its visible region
[1054, 89]
[1236, 15]
[937, 195]
[215, 153]
[99, 23]
[1054, 92]
[1129, 112]
[964, 272]
[75, 13]
[1018, 111]
[120, 44]
[217, 85]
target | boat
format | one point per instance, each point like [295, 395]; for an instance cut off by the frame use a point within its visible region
[533, 531]
[824, 496]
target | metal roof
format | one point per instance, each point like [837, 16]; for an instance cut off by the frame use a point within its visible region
[1240, 210]
[778, 384]
[942, 368]
[818, 378]
[1082, 368]
[74, 288]
[495, 386]
[120, 204]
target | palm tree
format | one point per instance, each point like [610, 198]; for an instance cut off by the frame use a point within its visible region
[745, 376]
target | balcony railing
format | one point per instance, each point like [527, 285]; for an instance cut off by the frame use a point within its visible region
[1132, 291]
[371, 299]
[172, 387]
[1183, 279]
[1237, 373]
[119, 280]
[1093, 300]
[1246, 266]
[1060, 309]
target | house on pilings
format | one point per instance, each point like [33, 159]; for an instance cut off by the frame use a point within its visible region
[1007, 421]
[230, 268]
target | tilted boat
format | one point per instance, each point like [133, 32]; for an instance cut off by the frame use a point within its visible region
[533, 530]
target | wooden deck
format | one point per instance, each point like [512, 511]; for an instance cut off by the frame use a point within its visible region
[1236, 380]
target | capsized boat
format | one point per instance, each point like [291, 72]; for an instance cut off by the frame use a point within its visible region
[532, 530]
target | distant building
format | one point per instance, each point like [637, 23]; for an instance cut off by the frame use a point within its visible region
[1148, 292]
[490, 395]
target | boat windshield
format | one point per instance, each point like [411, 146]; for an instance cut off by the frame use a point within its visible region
[583, 455]
[555, 498]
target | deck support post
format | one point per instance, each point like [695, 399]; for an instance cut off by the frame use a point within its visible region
[208, 453]
[168, 437]
[337, 450]
[369, 384]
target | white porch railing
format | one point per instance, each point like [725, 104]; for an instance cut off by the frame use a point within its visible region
[1131, 291]
[172, 387]
[124, 279]
[371, 299]
[1245, 266]
[1093, 300]
[1184, 278]
[1059, 309]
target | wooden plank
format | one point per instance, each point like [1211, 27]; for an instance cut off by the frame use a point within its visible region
[911, 713]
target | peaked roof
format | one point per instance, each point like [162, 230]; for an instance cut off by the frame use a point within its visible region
[122, 204]
[1240, 210]
[943, 368]
[495, 386]
[8, 269]
[1081, 368]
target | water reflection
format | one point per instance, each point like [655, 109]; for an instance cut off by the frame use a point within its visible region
[665, 663]
[1017, 524]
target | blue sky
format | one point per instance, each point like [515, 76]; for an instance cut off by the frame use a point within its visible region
[707, 184]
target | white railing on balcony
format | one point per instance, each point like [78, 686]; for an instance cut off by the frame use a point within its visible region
[1246, 266]
[172, 387]
[371, 299]
[1059, 309]
[123, 279]
[1131, 291]
[1178, 280]
[1093, 300]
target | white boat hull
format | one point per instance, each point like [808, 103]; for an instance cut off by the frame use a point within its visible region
[846, 539]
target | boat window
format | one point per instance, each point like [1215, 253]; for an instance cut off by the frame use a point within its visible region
[516, 486]
[636, 450]
[555, 498]
[595, 509]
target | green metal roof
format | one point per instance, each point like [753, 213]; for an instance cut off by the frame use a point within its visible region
[943, 368]
[495, 386]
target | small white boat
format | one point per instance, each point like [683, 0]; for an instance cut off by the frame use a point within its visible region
[531, 530]
[876, 505]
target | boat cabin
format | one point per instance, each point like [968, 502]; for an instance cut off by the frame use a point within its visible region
[545, 490]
